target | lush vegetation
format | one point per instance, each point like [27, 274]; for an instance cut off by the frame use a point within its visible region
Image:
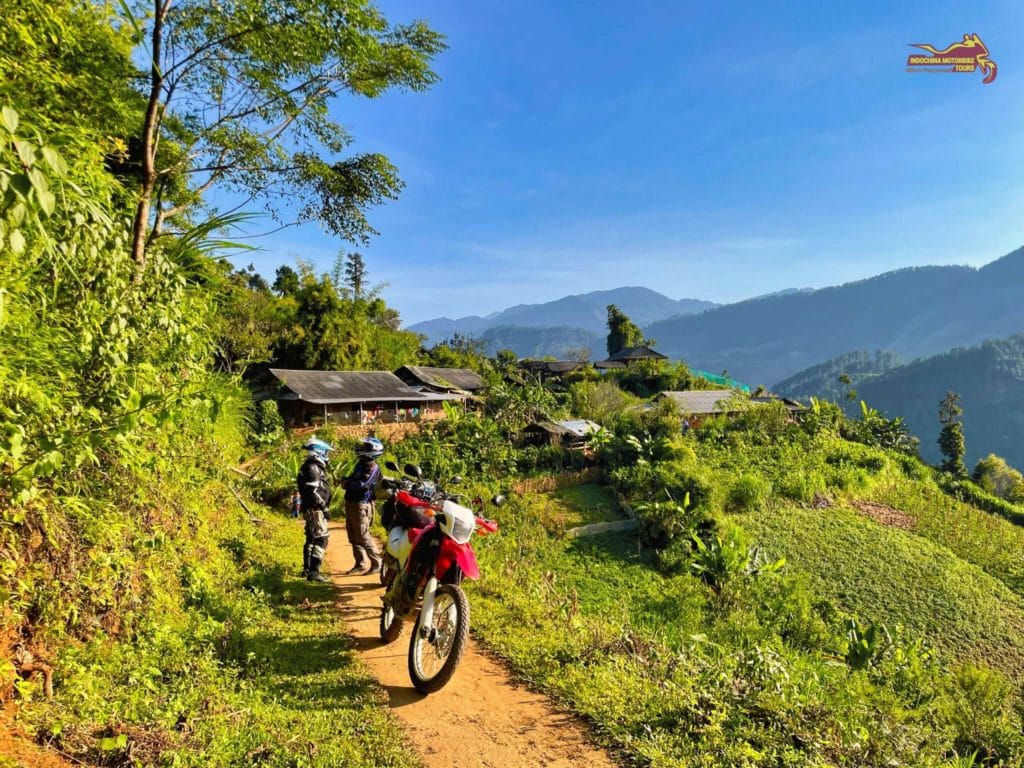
[793, 598]
[132, 562]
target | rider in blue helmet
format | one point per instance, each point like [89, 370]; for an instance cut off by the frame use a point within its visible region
[315, 489]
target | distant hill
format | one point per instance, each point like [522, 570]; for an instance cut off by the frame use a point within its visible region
[990, 381]
[586, 311]
[543, 342]
[988, 377]
[822, 380]
[913, 312]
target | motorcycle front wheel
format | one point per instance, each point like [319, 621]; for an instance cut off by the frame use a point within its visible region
[434, 654]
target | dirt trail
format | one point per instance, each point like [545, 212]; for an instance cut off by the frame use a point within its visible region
[482, 718]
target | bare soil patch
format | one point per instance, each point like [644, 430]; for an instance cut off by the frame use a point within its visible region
[884, 514]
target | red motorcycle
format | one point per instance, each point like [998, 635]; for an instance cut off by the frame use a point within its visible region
[427, 556]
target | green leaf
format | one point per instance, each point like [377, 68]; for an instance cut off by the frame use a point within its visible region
[112, 743]
[26, 153]
[21, 184]
[17, 242]
[53, 159]
[47, 201]
[9, 119]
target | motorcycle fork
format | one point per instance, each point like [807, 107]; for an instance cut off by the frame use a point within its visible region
[427, 611]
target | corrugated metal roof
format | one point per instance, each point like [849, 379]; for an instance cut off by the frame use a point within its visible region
[443, 378]
[579, 427]
[325, 387]
[700, 402]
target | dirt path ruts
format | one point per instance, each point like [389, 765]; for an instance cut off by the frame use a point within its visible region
[482, 718]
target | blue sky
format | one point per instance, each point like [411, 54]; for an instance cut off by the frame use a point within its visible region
[706, 150]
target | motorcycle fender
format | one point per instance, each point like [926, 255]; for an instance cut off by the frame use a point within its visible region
[462, 554]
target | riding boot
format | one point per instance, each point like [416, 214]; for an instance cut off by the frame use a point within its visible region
[305, 561]
[314, 570]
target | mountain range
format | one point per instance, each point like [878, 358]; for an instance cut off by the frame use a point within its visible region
[586, 312]
[912, 312]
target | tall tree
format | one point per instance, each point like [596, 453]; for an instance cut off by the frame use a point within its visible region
[286, 281]
[355, 273]
[951, 437]
[237, 95]
[622, 332]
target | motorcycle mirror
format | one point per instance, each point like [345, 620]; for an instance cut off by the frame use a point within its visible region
[413, 471]
[498, 500]
[392, 466]
[455, 480]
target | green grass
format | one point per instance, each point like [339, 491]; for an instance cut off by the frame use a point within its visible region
[254, 669]
[671, 674]
[900, 579]
[576, 506]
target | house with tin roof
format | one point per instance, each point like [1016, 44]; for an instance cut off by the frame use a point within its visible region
[353, 397]
[451, 380]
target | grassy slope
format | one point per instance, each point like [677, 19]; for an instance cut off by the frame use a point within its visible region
[255, 668]
[673, 675]
[899, 578]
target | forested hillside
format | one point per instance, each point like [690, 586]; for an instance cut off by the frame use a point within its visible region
[838, 378]
[912, 312]
[559, 342]
[990, 381]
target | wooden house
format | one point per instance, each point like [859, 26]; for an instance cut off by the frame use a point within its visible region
[353, 397]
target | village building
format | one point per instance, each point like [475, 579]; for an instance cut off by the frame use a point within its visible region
[551, 368]
[629, 355]
[446, 380]
[353, 397]
[569, 433]
[698, 405]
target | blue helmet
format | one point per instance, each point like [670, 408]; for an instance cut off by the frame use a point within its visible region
[318, 448]
[370, 448]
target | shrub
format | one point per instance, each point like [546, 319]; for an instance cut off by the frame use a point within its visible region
[979, 707]
[748, 493]
[268, 426]
[721, 558]
[600, 401]
[681, 480]
[998, 478]
[800, 486]
[823, 417]
[845, 478]
[767, 423]
[913, 467]
[967, 491]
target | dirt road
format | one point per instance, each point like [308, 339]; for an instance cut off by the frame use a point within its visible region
[482, 718]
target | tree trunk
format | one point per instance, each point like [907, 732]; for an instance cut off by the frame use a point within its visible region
[150, 129]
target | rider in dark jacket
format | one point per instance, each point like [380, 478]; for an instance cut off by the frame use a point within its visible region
[360, 489]
[315, 489]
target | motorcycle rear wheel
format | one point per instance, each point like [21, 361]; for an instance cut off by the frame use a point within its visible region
[433, 659]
